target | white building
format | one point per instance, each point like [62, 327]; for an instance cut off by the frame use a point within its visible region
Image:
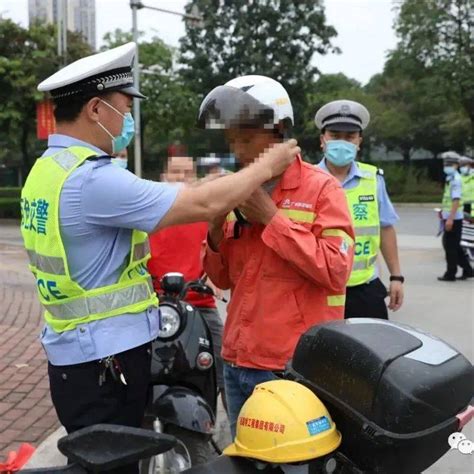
[80, 15]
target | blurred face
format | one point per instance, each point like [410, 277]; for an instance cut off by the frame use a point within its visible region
[122, 154]
[180, 169]
[248, 144]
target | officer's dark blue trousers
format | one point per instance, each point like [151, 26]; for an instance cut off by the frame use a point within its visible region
[366, 300]
[455, 255]
[81, 401]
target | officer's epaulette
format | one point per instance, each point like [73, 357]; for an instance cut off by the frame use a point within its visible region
[98, 157]
[380, 171]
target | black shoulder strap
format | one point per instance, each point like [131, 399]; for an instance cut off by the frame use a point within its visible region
[98, 157]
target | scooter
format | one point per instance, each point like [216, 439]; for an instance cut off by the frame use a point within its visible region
[183, 392]
[467, 236]
[400, 398]
[103, 447]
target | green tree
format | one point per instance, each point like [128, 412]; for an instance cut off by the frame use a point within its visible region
[276, 38]
[168, 113]
[416, 110]
[27, 56]
[439, 34]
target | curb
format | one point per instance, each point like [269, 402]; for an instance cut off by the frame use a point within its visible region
[47, 454]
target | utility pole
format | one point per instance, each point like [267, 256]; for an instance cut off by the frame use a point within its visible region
[62, 31]
[136, 5]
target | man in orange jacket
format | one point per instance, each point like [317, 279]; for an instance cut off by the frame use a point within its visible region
[288, 265]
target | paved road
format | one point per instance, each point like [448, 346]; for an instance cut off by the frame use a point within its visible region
[444, 309]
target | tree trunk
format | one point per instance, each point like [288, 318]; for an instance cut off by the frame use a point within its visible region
[406, 155]
[25, 157]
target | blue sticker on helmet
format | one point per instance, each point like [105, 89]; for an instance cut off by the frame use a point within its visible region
[318, 425]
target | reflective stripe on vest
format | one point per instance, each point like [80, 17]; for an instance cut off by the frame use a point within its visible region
[363, 205]
[67, 304]
[372, 230]
[364, 264]
[89, 305]
[53, 265]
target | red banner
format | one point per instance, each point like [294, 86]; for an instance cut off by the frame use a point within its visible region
[45, 123]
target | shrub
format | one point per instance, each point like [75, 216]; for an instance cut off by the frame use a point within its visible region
[10, 207]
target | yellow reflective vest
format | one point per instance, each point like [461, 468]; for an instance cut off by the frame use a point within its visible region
[468, 191]
[364, 208]
[66, 303]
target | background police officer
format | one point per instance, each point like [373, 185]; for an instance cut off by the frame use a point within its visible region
[341, 123]
[85, 223]
[466, 165]
[452, 215]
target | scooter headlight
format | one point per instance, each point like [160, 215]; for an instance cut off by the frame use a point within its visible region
[170, 322]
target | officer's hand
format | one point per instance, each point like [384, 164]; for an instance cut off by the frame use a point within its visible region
[259, 207]
[396, 295]
[279, 157]
[448, 226]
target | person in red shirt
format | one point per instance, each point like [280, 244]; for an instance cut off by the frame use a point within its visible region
[179, 249]
[287, 267]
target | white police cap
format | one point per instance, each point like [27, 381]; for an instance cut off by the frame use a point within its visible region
[103, 72]
[342, 116]
[450, 157]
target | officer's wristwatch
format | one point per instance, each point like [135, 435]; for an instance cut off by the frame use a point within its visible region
[397, 278]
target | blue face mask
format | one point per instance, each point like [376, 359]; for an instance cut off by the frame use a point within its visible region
[121, 141]
[449, 170]
[464, 170]
[340, 152]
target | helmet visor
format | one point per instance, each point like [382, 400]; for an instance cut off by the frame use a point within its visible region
[226, 107]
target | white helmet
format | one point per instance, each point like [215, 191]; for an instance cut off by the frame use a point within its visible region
[247, 101]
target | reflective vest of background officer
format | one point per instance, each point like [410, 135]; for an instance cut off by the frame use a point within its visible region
[466, 169]
[452, 214]
[341, 123]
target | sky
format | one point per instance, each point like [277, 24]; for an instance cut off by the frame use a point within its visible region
[364, 27]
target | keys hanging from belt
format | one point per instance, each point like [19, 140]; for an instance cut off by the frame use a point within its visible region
[112, 365]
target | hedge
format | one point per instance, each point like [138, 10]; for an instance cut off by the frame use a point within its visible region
[10, 208]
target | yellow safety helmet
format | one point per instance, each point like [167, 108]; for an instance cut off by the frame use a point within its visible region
[284, 422]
